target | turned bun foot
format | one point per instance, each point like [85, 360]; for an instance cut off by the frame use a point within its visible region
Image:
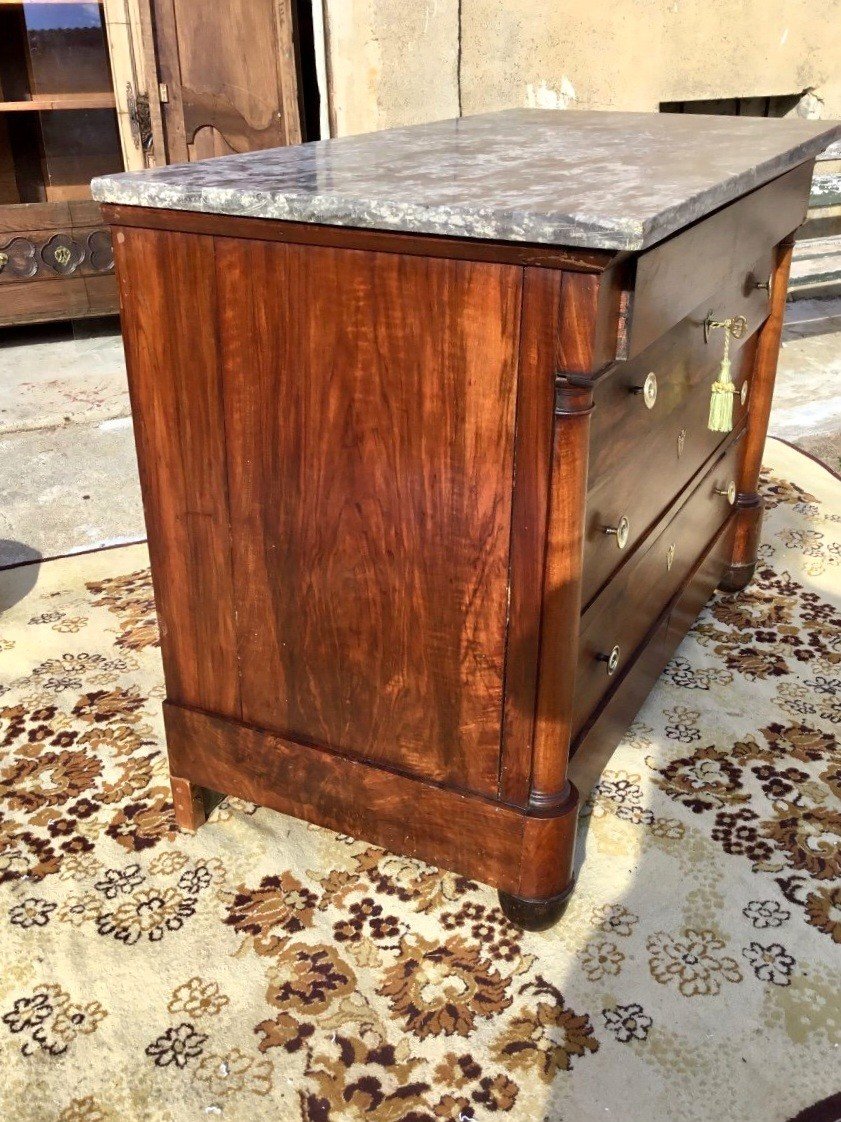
[535, 915]
[737, 577]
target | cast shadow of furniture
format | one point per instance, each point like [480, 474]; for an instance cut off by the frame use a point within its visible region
[18, 579]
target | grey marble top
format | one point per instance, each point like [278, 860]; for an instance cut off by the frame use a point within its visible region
[600, 180]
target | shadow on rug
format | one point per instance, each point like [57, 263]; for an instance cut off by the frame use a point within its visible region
[266, 969]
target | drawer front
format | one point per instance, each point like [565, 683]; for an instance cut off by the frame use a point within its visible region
[641, 457]
[699, 589]
[676, 275]
[616, 623]
[596, 741]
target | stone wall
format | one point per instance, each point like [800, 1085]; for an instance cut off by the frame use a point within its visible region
[396, 62]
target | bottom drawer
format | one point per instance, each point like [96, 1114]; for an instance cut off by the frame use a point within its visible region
[598, 738]
[618, 620]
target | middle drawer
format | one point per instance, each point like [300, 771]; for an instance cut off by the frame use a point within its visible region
[617, 621]
[645, 449]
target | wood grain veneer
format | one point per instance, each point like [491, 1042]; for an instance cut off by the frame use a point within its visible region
[167, 285]
[370, 399]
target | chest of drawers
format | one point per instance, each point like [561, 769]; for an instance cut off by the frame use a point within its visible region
[422, 421]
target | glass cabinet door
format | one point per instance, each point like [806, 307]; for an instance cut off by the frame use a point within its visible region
[58, 121]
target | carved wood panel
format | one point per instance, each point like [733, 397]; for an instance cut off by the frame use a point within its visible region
[44, 254]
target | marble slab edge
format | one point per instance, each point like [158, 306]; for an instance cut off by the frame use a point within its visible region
[462, 221]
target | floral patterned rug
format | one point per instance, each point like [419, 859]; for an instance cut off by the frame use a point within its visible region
[266, 969]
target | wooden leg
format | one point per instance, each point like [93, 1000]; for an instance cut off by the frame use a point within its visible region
[190, 810]
[749, 504]
[745, 544]
[535, 915]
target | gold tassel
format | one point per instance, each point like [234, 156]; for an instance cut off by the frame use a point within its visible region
[721, 401]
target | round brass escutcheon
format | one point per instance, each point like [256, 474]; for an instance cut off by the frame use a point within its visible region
[729, 492]
[681, 443]
[743, 392]
[611, 660]
[648, 390]
[670, 556]
[621, 531]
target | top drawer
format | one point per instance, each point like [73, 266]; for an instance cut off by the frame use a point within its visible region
[680, 273]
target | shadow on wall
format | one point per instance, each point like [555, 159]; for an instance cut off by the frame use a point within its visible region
[18, 579]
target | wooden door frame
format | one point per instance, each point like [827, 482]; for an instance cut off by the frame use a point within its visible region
[163, 20]
[134, 76]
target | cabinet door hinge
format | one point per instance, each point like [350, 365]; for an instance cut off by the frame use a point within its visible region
[140, 117]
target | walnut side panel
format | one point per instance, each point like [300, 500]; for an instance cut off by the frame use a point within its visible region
[168, 298]
[370, 416]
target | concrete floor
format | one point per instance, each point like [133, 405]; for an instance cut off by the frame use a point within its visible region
[68, 475]
[807, 397]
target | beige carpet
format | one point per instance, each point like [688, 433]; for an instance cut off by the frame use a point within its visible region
[267, 970]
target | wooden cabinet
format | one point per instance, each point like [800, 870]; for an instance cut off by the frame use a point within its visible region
[92, 88]
[58, 129]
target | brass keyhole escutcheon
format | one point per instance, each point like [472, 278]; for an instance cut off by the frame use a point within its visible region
[648, 390]
[4, 261]
[729, 492]
[734, 326]
[621, 531]
[670, 556]
[743, 392]
[611, 661]
[681, 443]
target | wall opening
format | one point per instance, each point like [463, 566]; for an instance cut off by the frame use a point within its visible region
[774, 105]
